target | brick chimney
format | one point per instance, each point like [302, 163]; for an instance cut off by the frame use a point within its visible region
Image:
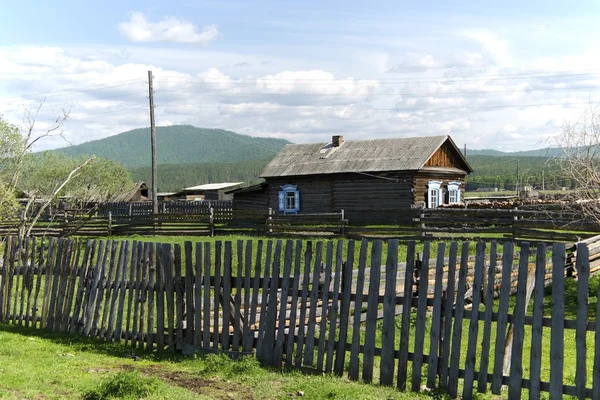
[337, 141]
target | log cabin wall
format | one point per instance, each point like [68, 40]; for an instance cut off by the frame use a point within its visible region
[422, 179]
[364, 198]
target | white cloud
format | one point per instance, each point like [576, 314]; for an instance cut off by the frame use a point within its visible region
[494, 45]
[170, 29]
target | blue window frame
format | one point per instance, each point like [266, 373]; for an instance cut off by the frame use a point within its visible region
[289, 199]
[454, 192]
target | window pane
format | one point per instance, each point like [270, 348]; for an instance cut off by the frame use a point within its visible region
[290, 203]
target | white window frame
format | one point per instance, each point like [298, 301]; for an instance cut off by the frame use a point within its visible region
[454, 190]
[434, 191]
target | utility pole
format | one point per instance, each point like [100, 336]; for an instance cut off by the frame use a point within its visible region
[153, 145]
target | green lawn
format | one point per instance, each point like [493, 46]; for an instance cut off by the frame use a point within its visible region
[37, 365]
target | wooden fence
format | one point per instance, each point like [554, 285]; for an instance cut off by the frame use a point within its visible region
[316, 305]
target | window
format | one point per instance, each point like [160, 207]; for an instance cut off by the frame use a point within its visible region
[434, 194]
[454, 192]
[289, 199]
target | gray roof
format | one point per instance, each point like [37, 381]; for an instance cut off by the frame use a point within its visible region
[376, 155]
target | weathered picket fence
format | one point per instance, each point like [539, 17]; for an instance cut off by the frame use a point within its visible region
[341, 307]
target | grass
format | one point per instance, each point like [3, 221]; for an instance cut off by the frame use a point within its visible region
[38, 364]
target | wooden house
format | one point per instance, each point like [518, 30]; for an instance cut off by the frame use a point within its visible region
[364, 177]
[138, 192]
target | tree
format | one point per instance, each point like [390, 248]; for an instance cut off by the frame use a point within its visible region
[44, 179]
[579, 162]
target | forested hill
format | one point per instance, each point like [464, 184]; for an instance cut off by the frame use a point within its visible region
[179, 144]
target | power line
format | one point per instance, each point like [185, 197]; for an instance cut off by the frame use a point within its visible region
[78, 90]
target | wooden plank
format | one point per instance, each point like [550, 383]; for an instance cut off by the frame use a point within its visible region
[421, 318]
[263, 302]
[4, 279]
[536, 326]
[596, 367]
[372, 303]
[198, 296]
[217, 294]
[283, 301]
[168, 266]
[25, 286]
[226, 296]
[436, 318]
[474, 323]
[248, 335]
[137, 287]
[31, 281]
[123, 262]
[206, 289]
[303, 304]
[458, 319]
[160, 298]
[324, 305]
[16, 264]
[406, 310]
[150, 336]
[507, 261]
[386, 365]
[59, 320]
[310, 337]
[333, 315]
[97, 272]
[72, 283]
[110, 288]
[101, 288]
[179, 295]
[189, 295]
[355, 345]
[237, 311]
[131, 290]
[143, 299]
[294, 304]
[271, 314]
[38, 284]
[346, 285]
[557, 337]
[583, 275]
[57, 264]
[487, 325]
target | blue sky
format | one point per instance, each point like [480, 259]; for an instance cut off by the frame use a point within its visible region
[503, 75]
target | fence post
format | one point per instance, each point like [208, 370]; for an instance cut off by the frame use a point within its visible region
[342, 223]
[212, 221]
[515, 217]
[422, 218]
[109, 223]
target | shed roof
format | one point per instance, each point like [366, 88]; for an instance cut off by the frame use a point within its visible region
[375, 155]
[214, 186]
[129, 193]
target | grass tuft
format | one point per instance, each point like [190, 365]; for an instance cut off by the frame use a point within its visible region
[124, 385]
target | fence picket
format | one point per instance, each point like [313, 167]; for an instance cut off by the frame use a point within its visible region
[346, 290]
[386, 366]
[248, 336]
[123, 262]
[131, 290]
[225, 296]
[237, 325]
[160, 298]
[114, 287]
[96, 273]
[596, 367]
[421, 318]
[458, 319]
[263, 302]
[178, 289]
[25, 281]
[536, 325]
[582, 266]
[143, 299]
[507, 262]
[271, 311]
[217, 294]
[474, 323]
[38, 284]
[31, 279]
[206, 336]
[303, 305]
[360, 279]
[406, 310]
[293, 304]
[324, 305]
[516, 362]
[371, 322]
[72, 282]
[198, 296]
[283, 300]
[4, 280]
[109, 289]
[150, 337]
[436, 318]
[137, 288]
[169, 291]
[333, 315]
[16, 264]
[189, 294]
[557, 338]
[312, 316]
[48, 270]
[55, 281]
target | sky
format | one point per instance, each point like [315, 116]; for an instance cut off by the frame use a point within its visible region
[492, 75]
